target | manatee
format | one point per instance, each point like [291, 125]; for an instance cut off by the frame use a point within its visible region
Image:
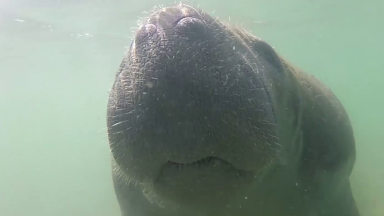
[205, 119]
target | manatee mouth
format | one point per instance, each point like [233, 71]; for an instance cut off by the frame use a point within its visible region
[202, 172]
[201, 162]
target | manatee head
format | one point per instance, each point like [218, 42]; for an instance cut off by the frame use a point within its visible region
[191, 118]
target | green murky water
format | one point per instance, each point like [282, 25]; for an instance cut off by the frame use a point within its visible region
[58, 60]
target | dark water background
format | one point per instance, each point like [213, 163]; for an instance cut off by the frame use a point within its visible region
[58, 60]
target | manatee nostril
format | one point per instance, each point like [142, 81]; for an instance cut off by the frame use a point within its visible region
[184, 21]
[145, 32]
[190, 26]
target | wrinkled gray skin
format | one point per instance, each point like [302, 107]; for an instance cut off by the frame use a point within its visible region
[205, 119]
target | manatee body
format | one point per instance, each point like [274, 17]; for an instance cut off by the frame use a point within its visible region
[205, 119]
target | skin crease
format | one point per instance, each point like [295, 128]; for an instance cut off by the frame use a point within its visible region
[206, 119]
